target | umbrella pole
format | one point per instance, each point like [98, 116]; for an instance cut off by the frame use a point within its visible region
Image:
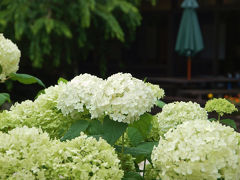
[189, 68]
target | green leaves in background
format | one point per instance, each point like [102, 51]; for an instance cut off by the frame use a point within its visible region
[4, 97]
[26, 79]
[41, 27]
[75, 130]
[229, 122]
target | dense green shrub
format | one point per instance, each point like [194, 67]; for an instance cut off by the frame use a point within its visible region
[65, 31]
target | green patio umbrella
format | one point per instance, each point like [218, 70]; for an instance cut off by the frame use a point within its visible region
[189, 39]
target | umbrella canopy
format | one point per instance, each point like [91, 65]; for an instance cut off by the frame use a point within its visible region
[189, 39]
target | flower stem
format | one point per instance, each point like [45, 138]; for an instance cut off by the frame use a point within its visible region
[123, 143]
[218, 117]
[144, 166]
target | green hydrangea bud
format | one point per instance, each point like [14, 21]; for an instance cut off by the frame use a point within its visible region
[221, 106]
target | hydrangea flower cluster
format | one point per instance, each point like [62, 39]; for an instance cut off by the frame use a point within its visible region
[221, 106]
[9, 57]
[198, 149]
[129, 97]
[176, 113]
[39, 113]
[83, 92]
[28, 153]
[121, 96]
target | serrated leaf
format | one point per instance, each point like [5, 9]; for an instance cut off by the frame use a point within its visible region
[26, 79]
[160, 103]
[62, 80]
[4, 97]
[144, 124]
[113, 130]
[135, 136]
[132, 176]
[75, 130]
[229, 122]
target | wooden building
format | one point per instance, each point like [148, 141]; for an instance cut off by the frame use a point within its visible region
[152, 52]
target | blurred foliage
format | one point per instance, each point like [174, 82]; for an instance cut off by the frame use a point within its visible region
[60, 31]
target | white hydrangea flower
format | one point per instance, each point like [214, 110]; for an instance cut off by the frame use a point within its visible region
[129, 97]
[121, 96]
[198, 149]
[9, 57]
[84, 91]
[28, 153]
[176, 113]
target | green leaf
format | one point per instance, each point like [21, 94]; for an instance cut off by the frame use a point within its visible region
[4, 97]
[132, 176]
[134, 135]
[75, 129]
[26, 79]
[95, 128]
[139, 159]
[144, 124]
[113, 130]
[142, 149]
[229, 122]
[160, 103]
[62, 80]
[145, 79]
[212, 119]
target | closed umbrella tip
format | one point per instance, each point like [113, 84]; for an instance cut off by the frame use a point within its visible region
[189, 4]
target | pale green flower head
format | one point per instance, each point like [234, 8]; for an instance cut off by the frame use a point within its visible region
[9, 57]
[39, 113]
[176, 113]
[221, 106]
[28, 153]
[200, 150]
[83, 92]
[129, 97]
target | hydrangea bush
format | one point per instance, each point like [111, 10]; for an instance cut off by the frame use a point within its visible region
[28, 153]
[39, 113]
[91, 128]
[198, 149]
[122, 97]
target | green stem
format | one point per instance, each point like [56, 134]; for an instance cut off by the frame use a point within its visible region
[218, 117]
[122, 153]
[123, 143]
[144, 166]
